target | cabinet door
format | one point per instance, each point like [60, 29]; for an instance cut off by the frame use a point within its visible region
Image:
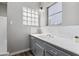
[47, 53]
[39, 50]
[54, 51]
[33, 48]
[36, 47]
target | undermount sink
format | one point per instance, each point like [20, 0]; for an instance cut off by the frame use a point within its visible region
[46, 36]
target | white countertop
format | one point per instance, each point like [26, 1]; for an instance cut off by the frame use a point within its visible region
[68, 44]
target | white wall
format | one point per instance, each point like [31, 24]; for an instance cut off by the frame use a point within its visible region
[70, 13]
[18, 33]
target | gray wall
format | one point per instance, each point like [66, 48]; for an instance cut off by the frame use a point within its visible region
[3, 9]
[17, 32]
[70, 13]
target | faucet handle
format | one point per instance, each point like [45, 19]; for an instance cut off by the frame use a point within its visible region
[76, 37]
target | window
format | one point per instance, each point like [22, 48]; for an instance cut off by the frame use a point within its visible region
[30, 16]
[55, 14]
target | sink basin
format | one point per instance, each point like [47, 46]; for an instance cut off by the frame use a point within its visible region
[46, 36]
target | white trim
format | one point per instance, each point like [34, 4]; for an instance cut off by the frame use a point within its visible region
[19, 51]
[4, 54]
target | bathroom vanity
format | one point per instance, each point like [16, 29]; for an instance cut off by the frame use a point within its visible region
[41, 47]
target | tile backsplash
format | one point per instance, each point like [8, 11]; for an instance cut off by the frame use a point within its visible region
[63, 31]
[34, 30]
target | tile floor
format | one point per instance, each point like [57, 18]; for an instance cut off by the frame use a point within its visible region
[29, 53]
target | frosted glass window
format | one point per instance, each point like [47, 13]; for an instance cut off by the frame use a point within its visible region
[55, 8]
[29, 14]
[55, 14]
[33, 23]
[25, 14]
[29, 10]
[24, 18]
[57, 17]
[24, 9]
[33, 11]
[30, 17]
[24, 22]
[36, 20]
[36, 16]
[36, 12]
[33, 19]
[29, 23]
[36, 23]
[33, 15]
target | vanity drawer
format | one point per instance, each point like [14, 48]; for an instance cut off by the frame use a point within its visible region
[54, 51]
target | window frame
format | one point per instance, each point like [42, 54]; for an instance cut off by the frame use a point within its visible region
[48, 15]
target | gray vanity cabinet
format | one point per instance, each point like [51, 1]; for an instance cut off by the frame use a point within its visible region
[36, 48]
[39, 50]
[47, 53]
[52, 51]
[33, 48]
[42, 48]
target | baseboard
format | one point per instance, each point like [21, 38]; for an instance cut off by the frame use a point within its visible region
[4, 54]
[14, 53]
